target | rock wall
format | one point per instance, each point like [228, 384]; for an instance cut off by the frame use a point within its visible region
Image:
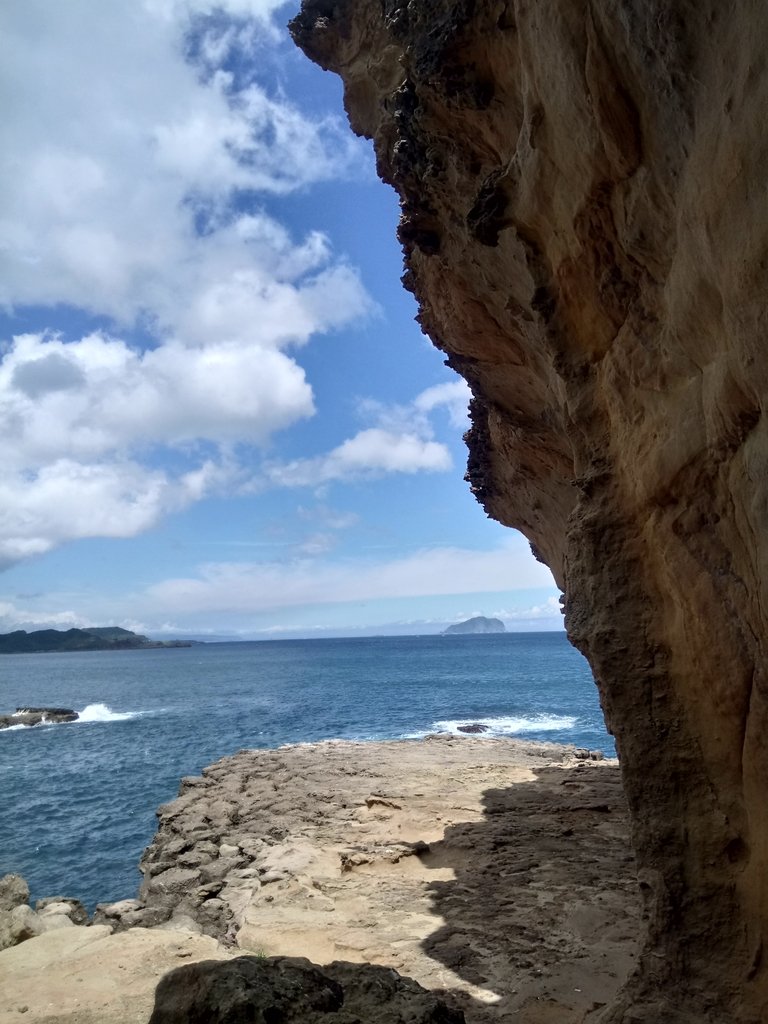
[585, 228]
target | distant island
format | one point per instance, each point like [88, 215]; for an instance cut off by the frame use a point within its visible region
[100, 638]
[479, 624]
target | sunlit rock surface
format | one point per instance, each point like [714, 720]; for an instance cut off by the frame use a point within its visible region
[584, 215]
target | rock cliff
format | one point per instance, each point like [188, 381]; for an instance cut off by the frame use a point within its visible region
[583, 196]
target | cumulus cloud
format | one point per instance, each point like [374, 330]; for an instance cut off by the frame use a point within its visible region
[98, 395]
[370, 452]
[123, 138]
[66, 500]
[136, 164]
[401, 441]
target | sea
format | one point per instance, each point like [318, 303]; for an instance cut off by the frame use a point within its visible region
[78, 800]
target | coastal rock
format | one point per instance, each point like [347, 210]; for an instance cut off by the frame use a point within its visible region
[496, 870]
[583, 216]
[38, 716]
[250, 990]
[89, 976]
[65, 905]
[18, 925]
[473, 728]
[19, 922]
[14, 892]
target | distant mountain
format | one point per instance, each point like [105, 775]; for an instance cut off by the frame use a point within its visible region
[100, 638]
[479, 624]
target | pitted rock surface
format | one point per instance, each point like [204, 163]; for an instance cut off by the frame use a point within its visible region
[496, 872]
[585, 225]
[249, 990]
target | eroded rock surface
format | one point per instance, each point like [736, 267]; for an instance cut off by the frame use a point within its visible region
[88, 976]
[585, 226]
[251, 990]
[495, 872]
[19, 922]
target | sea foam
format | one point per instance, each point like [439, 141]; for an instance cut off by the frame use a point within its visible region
[103, 713]
[508, 725]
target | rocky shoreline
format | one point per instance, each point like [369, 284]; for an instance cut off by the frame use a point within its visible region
[496, 874]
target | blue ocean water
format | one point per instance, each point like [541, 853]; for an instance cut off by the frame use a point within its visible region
[78, 800]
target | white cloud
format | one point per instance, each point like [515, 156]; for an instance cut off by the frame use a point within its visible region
[369, 453]
[549, 609]
[134, 167]
[96, 396]
[249, 588]
[454, 396]
[402, 441]
[66, 501]
[415, 416]
[12, 618]
[114, 143]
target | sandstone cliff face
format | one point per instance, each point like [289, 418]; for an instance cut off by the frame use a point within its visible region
[585, 227]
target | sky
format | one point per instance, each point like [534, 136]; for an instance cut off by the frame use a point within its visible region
[220, 417]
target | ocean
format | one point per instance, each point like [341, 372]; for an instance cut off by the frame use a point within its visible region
[79, 799]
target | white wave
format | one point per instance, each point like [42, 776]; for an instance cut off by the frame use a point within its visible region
[14, 728]
[103, 713]
[507, 726]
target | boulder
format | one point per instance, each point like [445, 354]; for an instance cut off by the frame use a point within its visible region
[18, 925]
[66, 905]
[14, 891]
[254, 990]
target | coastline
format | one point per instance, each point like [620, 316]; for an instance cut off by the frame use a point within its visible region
[496, 872]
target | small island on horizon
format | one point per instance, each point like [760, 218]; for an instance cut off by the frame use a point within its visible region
[477, 624]
[97, 638]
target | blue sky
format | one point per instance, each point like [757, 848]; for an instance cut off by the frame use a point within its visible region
[220, 417]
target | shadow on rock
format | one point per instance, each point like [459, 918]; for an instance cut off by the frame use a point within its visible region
[543, 914]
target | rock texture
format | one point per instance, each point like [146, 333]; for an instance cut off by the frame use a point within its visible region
[88, 976]
[497, 873]
[294, 991]
[583, 195]
[38, 716]
[19, 922]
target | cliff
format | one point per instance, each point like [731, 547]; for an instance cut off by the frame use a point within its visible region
[478, 624]
[583, 196]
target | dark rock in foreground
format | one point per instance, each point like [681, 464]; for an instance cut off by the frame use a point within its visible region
[254, 990]
[472, 728]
